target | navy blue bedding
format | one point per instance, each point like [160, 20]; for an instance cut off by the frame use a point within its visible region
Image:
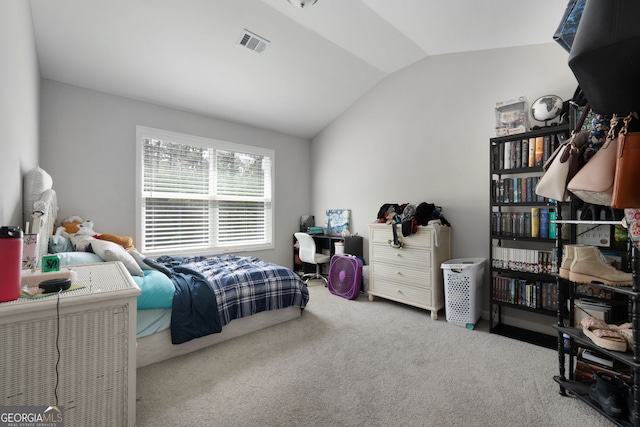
[211, 292]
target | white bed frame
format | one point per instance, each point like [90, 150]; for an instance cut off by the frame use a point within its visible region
[157, 347]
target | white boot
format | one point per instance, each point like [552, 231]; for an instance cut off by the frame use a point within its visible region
[589, 265]
[568, 255]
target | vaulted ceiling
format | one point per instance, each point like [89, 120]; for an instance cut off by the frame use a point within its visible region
[317, 62]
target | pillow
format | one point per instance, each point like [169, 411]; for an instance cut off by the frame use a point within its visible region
[60, 244]
[35, 182]
[73, 258]
[157, 290]
[139, 259]
[146, 263]
[110, 251]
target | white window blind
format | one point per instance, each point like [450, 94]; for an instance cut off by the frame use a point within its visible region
[202, 195]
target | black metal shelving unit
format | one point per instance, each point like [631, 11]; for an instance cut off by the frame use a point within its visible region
[565, 326]
[501, 310]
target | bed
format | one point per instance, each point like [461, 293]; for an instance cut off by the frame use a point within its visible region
[186, 304]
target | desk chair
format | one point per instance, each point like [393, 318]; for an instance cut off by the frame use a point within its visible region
[308, 254]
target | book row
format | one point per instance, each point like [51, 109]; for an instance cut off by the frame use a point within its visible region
[534, 294]
[524, 260]
[524, 152]
[517, 190]
[538, 223]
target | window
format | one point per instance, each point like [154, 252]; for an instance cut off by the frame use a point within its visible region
[202, 196]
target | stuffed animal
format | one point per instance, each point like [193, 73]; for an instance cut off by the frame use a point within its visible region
[73, 225]
[124, 241]
[83, 237]
[69, 225]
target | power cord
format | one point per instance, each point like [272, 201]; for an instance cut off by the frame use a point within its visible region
[55, 390]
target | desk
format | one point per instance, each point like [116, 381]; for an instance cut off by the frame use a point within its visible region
[352, 246]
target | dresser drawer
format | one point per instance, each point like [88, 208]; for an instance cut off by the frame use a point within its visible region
[382, 233]
[419, 297]
[420, 258]
[400, 273]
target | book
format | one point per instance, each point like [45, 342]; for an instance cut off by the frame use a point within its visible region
[527, 224]
[539, 151]
[521, 225]
[535, 222]
[544, 223]
[532, 152]
[585, 308]
[495, 152]
[552, 224]
[507, 155]
[600, 359]
[546, 150]
[524, 151]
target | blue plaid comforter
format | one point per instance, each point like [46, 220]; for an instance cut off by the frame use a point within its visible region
[242, 286]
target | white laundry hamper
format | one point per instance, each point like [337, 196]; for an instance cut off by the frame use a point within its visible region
[463, 279]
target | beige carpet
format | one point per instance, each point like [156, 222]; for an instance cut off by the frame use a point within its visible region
[361, 363]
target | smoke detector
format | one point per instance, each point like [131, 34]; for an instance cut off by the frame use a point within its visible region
[253, 41]
[302, 3]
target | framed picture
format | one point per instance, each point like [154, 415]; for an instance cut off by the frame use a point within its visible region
[337, 221]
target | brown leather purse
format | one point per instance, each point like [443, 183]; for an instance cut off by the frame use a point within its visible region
[626, 185]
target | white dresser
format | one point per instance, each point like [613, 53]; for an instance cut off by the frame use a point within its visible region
[410, 274]
[97, 331]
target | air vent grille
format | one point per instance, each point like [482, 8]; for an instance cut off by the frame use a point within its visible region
[253, 42]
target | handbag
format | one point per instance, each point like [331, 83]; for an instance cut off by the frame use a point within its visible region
[594, 182]
[627, 173]
[563, 164]
[605, 55]
[566, 31]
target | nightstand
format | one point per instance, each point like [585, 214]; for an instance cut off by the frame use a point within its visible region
[97, 341]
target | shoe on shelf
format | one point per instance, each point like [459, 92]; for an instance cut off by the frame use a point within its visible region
[589, 265]
[602, 335]
[609, 392]
[568, 255]
[626, 331]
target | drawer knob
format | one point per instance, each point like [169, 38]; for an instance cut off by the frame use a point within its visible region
[399, 291]
[399, 273]
[398, 254]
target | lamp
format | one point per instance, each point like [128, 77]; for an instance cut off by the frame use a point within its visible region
[302, 3]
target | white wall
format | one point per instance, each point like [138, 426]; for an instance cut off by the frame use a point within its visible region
[88, 146]
[423, 135]
[19, 83]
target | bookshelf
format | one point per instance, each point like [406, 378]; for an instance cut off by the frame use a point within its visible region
[523, 287]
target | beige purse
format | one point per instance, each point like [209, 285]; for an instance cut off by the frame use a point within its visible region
[563, 164]
[594, 182]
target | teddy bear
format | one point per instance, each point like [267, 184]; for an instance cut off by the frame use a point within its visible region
[72, 225]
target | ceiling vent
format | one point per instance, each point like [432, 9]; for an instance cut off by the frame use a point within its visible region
[253, 42]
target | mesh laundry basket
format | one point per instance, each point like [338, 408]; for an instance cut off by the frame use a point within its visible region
[463, 290]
